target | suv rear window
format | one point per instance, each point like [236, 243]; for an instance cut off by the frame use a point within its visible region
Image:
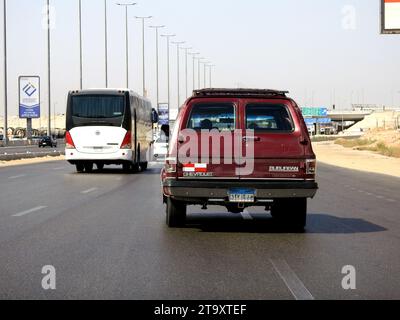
[212, 116]
[268, 118]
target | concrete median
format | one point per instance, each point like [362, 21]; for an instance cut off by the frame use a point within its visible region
[30, 155]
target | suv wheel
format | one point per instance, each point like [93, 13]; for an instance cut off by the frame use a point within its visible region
[176, 213]
[291, 213]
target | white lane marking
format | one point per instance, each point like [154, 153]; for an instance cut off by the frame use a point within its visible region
[380, 197]
[391, 200]
[246, 215]
[89, 190]
[59, 168]
[17, 177]
[23, 213]
[294, 284]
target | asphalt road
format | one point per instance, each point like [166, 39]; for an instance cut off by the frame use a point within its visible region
[31, 149]
[106, 237]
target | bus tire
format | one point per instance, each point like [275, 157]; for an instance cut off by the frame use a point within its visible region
[176, 213]
[144, 166]
[126, 167]
[80, 167]
[88, 167]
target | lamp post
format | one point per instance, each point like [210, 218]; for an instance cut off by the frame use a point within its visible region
[157, 64]
[199, 72]
[206, 64]
[143, 52]
[178, 47]
[186, 69]
[5, 134]
[168, 37]
[194, 54]
[48, 69]
[210, 70]
[106, 41]
[126, 5]
[80, 47]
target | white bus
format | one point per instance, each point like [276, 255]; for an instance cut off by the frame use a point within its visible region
[108, 127]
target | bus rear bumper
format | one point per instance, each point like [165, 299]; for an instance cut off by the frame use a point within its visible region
[121, 156]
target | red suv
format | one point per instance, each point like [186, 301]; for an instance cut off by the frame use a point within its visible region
[240, 148]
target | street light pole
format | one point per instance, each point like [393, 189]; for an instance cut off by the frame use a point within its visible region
[186, 69]
[106, 41]
[157, 64]
[143, 51]
[126, 5]
[80, 47]
[199, 70]
[5, 133]
[178, 47]
[206, 64]
[211, 66]
[48, 68]
[168, 37]
[194, 54]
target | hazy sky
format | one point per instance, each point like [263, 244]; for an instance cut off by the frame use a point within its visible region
[320, 50]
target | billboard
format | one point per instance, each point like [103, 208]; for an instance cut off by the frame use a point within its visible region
[314, 112]
[29, 97]
[390, 16]
[163, 113]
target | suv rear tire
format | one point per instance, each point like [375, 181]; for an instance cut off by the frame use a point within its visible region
[290, 213]
[176, 213]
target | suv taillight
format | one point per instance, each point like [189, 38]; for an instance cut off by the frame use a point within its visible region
[170, 165]
[311, 166]
[127, 143]
[69, 143]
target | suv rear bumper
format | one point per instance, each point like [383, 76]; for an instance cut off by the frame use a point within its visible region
[197, 190]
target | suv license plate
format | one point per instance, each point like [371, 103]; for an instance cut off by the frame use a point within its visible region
[242, 195]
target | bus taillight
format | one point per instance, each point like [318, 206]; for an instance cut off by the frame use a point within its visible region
[127, 143]
[69, 143]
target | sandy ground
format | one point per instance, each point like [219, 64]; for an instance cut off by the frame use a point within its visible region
[29, 161]
[330, 153]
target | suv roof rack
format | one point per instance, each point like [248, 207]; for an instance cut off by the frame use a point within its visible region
[239, 92]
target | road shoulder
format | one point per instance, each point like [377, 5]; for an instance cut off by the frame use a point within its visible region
[336, 155]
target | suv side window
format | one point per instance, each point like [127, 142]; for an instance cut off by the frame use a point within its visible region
[268, 118]
[220, 116]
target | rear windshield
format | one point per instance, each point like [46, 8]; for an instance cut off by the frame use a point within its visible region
[268, 118]
[98, 107]
[212, 116]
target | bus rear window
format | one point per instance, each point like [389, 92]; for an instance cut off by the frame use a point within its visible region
[98, 107]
